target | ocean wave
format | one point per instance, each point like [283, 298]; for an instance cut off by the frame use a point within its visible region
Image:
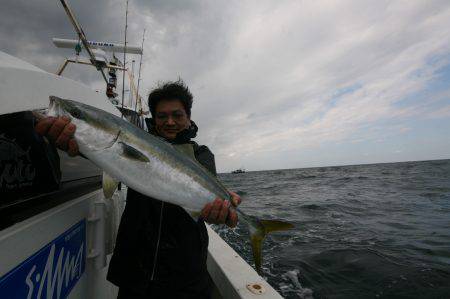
[303, 177]
[360, 231]
[291, 286]
[312, 207]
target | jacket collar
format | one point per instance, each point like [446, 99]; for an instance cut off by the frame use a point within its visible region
[182, 137]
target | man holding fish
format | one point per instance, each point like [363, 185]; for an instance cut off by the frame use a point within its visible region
[160, 250]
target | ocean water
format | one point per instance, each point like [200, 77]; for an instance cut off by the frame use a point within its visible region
[365, 231]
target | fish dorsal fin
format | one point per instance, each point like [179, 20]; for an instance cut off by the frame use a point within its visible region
[132, 153]
[109, 185]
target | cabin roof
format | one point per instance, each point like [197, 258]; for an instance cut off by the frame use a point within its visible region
[27, 87]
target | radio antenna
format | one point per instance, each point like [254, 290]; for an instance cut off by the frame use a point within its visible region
[124, 55]
[139, 76]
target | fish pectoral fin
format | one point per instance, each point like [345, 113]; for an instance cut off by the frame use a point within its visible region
[132, 153]
[109, 185]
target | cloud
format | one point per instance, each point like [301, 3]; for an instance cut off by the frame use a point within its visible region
[441, 113]
[385, 54]
[268, 77]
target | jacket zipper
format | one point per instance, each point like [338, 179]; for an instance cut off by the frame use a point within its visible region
[157, 242]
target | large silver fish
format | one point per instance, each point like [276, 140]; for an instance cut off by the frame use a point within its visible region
[150, 165]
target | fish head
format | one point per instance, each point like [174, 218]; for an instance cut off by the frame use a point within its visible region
[95, 129]
[62, 107]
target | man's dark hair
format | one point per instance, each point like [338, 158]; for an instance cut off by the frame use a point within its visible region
[171, 90]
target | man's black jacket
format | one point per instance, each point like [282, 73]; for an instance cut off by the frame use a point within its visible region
[159, 246]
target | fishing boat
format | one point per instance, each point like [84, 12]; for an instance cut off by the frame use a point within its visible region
[240, 170]
[57, 231]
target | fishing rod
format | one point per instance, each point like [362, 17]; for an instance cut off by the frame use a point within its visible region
[139, 76]
[124, 55]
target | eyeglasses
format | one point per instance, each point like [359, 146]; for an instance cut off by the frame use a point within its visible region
[177, 116]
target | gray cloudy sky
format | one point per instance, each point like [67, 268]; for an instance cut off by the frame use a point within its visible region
[276, 84]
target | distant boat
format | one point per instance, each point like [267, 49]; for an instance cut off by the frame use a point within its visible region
[240, 170]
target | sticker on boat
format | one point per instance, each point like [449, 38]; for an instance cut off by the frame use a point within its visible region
[51, 272]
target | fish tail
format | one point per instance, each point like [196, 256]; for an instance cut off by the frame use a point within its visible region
[258, 231]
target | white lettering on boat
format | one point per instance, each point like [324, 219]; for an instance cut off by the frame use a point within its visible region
[54, 277]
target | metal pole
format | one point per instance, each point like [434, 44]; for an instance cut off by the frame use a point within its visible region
[131, 80]
[124, 54]
[82, 37]
[130, 98]
[138, 98]
[63, 66]
[67, 61]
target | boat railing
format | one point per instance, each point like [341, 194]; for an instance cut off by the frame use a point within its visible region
[233, 277]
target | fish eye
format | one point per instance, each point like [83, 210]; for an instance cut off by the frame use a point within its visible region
[77, 113]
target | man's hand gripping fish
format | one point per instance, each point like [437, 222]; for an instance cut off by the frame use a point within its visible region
[150, 165]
